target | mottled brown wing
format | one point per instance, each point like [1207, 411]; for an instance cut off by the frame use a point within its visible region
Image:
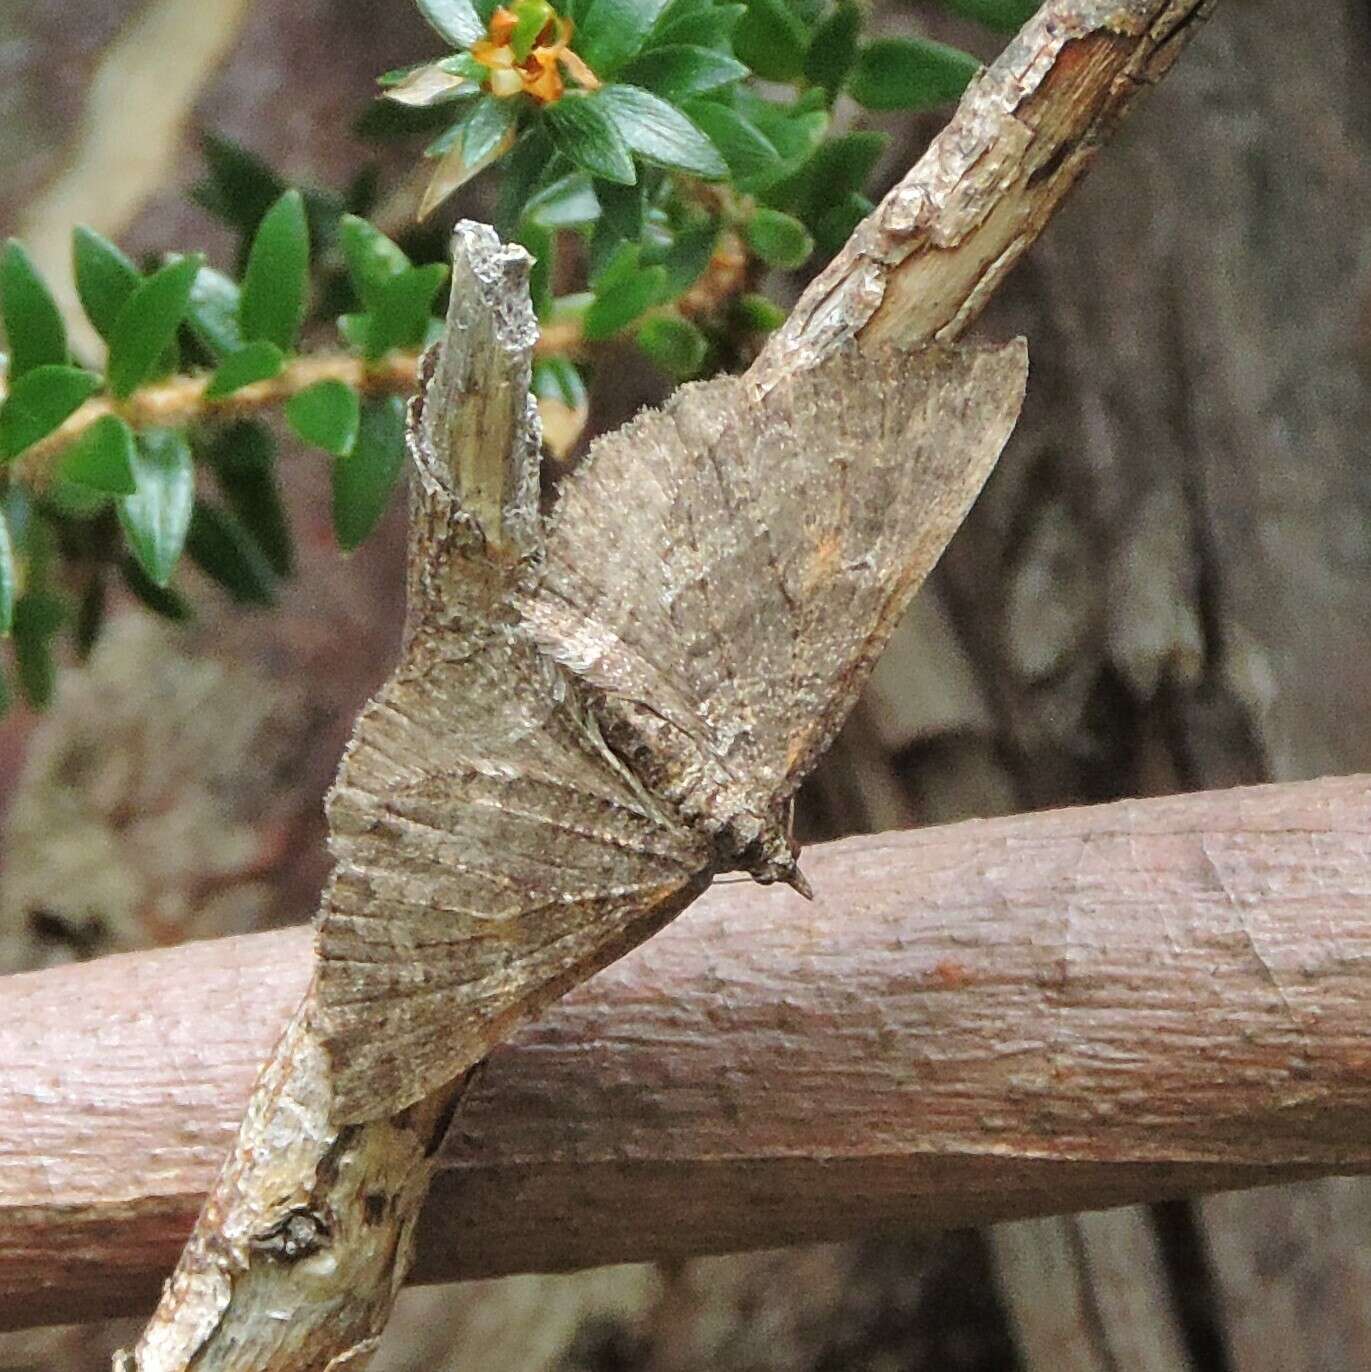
[489, 853]
[731, 568]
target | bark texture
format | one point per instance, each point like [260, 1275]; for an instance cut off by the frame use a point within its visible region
[1024, 1015]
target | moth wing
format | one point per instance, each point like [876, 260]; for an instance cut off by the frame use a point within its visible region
[479, 877]
[735, 566]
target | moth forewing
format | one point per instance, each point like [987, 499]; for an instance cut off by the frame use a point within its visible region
[594, 719]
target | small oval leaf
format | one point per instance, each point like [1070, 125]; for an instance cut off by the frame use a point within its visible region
[583, 130]
[39, 401]
[660, 133]
[778, 239]
[681, 70]
[105, 278]
[101, 458]
[454, 21]
[156, 517]
[147, 324]
[276, 278]
[258, 361]
[326, 415]
[910, 74]
[227, 554]
[243, 457]
[34, 329]
[213, 312]
[364, 481]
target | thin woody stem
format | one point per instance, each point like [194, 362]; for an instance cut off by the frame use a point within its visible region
[185, 399]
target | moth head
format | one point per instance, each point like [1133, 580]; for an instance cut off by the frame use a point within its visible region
[765, 849]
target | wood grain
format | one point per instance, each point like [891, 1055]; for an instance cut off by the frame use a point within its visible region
[1000, 1018]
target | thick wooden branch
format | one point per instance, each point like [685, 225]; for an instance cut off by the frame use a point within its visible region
[1047, 1013]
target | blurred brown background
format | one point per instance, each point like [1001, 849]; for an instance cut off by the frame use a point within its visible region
[1166, 586]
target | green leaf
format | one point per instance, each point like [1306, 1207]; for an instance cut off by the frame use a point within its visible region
[240, 187]
[836, 226]
[746, 149]
[326, 415]
[621, 265]
[673, 344]
[620, 303]
[463, 64]
[772, 39]
[1005, 16]
[401, 311]
[760, 314]
[161, 600]
[277, 275]
[9, 577]
[242, 456]
[613, 31]
[706, 26]
[213, 312]
[910, 74]
[778, 239]
[147, 325]
[101, 458]
[37, 618]
[39, 401]
[356, 329]
[363, 481]
[660, 133]
[835, 169]
[105, 278]
[556, 378]
[530, 19]
[569, 203]
[583, 130]
[621, 221]
[257, 361]
[834, 48]
[372, 259]
[530, 165]
[682, 70]
[90, 615]
[794, 130]
[224, 551]
[73, 502]
[687, 257]
[156, 517]
[454, 21]
[489, 121]
[33, 323]
[541, 243]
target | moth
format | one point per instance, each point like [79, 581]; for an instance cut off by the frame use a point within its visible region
[600, 710]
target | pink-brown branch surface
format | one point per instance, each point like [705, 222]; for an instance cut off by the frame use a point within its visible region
[1046, 1013]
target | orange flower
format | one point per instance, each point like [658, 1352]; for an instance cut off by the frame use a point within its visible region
[540, 74]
